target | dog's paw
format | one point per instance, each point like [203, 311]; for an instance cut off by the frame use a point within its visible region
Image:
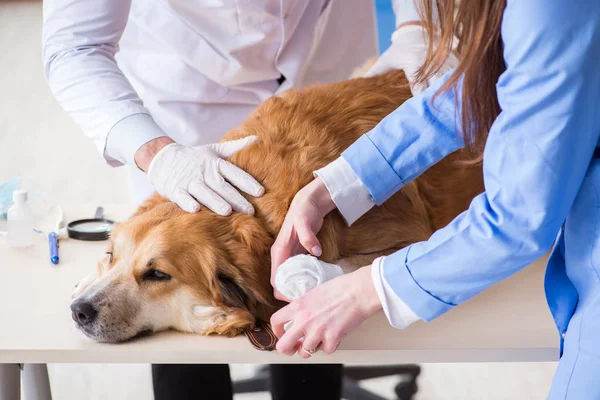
[302, 273]
[84, 284]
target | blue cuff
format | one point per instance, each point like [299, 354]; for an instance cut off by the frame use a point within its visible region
[397, 274]
[127, 136]
[372, 168]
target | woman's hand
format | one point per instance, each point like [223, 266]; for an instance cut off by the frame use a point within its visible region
[303, 221]
[326, 314]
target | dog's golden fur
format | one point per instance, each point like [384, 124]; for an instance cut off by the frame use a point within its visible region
[222, 264]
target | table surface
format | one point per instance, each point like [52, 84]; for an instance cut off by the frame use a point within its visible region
[508, 322]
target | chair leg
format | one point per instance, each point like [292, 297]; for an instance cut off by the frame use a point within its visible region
[352, 391]
[406, 390]
[360, 372]
[258, 383]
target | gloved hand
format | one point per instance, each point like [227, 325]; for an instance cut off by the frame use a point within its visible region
[190, 176]
[408, 52]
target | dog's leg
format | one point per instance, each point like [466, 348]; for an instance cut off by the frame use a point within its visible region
[302, 273]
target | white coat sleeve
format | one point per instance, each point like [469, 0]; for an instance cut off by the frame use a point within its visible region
[79, 43]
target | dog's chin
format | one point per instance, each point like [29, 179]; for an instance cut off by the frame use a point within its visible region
[141, 334]
[101, 336]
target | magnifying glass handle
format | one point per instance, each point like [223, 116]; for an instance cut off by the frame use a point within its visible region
[53, 241]
[99, 213]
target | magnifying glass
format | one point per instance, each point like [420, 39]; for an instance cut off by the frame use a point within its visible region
[92, 229]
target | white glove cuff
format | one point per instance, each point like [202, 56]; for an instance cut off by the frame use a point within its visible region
[157, 158]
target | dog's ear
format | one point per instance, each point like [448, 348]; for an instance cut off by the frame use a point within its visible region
[235, 311]
[232, 295]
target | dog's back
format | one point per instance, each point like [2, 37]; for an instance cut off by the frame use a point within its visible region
[302, 131]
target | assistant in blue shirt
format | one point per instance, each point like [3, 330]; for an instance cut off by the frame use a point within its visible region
[537, 154]
[541, 171]
[539, 174]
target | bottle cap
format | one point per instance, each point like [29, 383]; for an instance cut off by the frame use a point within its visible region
[20, 196]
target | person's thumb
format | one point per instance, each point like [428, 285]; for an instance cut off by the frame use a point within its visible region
[308, 239]
[227, 149]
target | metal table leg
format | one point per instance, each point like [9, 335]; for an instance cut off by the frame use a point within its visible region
[36, 384]
[10, 381]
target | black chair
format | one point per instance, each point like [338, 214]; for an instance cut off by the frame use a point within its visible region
[405, 389]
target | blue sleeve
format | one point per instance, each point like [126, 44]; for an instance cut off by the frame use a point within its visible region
[536, 157]
[415, 136]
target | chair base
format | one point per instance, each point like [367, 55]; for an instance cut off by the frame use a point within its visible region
[405, 390]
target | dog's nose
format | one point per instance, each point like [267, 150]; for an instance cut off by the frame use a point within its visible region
[83, 312]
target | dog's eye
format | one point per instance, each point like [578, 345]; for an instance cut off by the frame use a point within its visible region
[110, 256]
[156, 275]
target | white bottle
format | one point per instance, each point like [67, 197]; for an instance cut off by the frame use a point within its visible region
[20, 221]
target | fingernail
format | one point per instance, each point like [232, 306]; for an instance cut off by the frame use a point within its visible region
[316, 251]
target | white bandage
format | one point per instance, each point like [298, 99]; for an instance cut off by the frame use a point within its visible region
[299, 274]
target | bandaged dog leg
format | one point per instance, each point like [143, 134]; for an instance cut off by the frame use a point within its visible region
[299, 274]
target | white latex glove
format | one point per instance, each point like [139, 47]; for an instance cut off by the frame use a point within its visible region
[408, 52]
[190, 176]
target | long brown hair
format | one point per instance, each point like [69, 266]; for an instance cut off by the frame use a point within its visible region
[476, 25]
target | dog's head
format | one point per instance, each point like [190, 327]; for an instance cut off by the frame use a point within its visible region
[164, 268]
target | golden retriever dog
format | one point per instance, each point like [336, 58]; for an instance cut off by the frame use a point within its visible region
[204, 273]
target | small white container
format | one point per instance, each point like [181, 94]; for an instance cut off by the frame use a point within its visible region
[20, 221]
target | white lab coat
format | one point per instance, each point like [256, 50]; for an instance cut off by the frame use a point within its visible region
[131, 71]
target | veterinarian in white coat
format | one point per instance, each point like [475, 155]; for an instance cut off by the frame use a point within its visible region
[150, 81]
[137, 76]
